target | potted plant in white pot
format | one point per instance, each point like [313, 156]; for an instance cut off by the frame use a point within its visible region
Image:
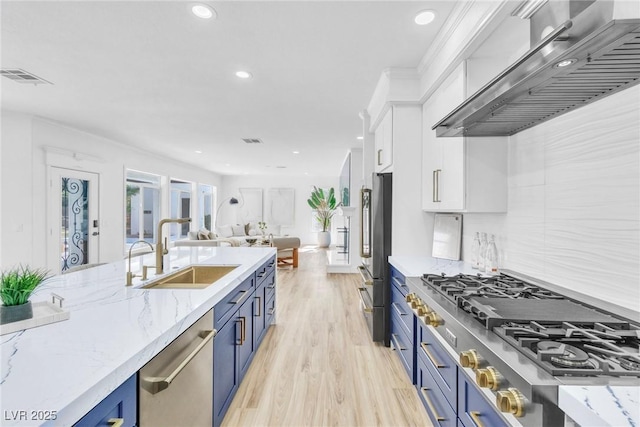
[325, 205]
[16, 287]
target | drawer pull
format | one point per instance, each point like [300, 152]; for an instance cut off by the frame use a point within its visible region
[242, 321]
[259, 307]
[271, 311]
[397, 343]
[398, 282]
[424, 391]
[116, 422]
[475, 416]
[240, 298]
[430, 356]
[395, 305]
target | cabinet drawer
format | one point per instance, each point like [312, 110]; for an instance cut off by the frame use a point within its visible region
[120, 404]
[399, 281]
[439, 408]
[270, 286]
[403, 344]
[225, 308]
[442, 367]
[270, 311]
[264, 270]
[473, 408]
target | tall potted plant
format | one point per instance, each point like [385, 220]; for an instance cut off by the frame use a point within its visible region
[16, 287]
[325, 205]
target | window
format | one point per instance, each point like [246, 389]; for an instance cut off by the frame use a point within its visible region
[205, 204]
[180, 208]
[142, 207]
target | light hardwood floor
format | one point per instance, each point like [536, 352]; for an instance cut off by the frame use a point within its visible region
[317, 366]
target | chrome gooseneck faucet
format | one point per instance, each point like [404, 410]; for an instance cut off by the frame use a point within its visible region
[130, 275]
[161, 249]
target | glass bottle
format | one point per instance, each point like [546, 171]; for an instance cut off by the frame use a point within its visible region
[483, 250]
[491, 259]
[475, 251]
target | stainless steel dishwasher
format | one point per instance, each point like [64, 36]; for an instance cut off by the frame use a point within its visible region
[176, 387]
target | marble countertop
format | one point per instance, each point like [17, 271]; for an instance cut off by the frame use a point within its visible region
[586, 405]
[601, 406]
[113, 330]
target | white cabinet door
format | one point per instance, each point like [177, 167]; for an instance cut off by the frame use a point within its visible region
[460, 174]
[384, 143]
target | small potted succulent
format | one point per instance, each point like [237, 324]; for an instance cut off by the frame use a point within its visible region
[16, 287]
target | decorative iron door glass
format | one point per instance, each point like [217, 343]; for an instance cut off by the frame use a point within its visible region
[74, 231]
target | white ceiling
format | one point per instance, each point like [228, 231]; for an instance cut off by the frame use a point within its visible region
[151, 74]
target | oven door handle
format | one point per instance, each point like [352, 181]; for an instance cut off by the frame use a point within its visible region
[366, 277]
[366, 308]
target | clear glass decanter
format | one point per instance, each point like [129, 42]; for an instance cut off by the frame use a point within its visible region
[483, 251]
[491, 258]
[475, 251]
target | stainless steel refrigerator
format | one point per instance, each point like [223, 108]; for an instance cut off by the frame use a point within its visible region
[375, 249]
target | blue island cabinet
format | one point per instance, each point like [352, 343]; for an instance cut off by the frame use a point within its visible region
[241, 323]
[119, 409]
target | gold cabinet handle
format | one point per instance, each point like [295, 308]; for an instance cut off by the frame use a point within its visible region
[475, 416]
[242, 320]
[259, 307]
[240, 298]
[156, 384]
[430, 356]
[116, 422]
[424, 391]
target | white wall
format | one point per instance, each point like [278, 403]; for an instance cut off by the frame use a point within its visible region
[29, 145]
[302, 186]
[574, 202]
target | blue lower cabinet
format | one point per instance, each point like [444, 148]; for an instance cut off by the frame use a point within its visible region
[439, 362]
[246, 343]
[226, 378]
[438, 407]
[473, 408]
[403, 345]
[120, 405]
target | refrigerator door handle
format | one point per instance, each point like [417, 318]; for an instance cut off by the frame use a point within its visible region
[366, 277]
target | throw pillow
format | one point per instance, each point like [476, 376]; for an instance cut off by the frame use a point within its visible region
[193, 235]
[225, 231]
[203, 234]
[252, 232]
[238, 230]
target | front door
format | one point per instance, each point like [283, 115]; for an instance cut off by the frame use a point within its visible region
[73, 219]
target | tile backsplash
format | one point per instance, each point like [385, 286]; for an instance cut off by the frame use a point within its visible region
[574, 202]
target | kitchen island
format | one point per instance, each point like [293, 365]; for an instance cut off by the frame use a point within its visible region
[594, 401]
[62, 370]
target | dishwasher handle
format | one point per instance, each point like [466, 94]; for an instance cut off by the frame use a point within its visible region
[156, 384]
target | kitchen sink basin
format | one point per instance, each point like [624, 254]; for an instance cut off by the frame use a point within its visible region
[193, 277]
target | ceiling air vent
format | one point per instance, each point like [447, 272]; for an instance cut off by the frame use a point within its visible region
[21, 76]
[252, 140]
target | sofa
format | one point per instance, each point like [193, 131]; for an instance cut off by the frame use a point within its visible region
[228, 235]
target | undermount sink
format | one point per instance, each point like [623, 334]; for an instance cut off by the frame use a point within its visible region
[193, 277]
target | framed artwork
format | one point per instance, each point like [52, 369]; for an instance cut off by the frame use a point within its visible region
[280, 207]
[251, 205]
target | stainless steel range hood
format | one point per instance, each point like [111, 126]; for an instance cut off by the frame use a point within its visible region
[602, 44]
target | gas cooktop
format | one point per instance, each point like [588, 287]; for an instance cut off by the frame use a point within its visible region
[562, 336]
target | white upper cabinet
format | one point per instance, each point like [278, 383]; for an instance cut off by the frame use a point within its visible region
[460, 174]
[384, 143]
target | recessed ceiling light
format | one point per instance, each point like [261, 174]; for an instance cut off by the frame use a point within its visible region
[296, 152]
[203, 11]
[425, 17]
[360, 137]
[243, 74]
[198, 152]
[566, 62]
[227, 164]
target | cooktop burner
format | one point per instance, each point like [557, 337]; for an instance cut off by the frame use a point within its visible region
[500, 286]
[577, 349]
